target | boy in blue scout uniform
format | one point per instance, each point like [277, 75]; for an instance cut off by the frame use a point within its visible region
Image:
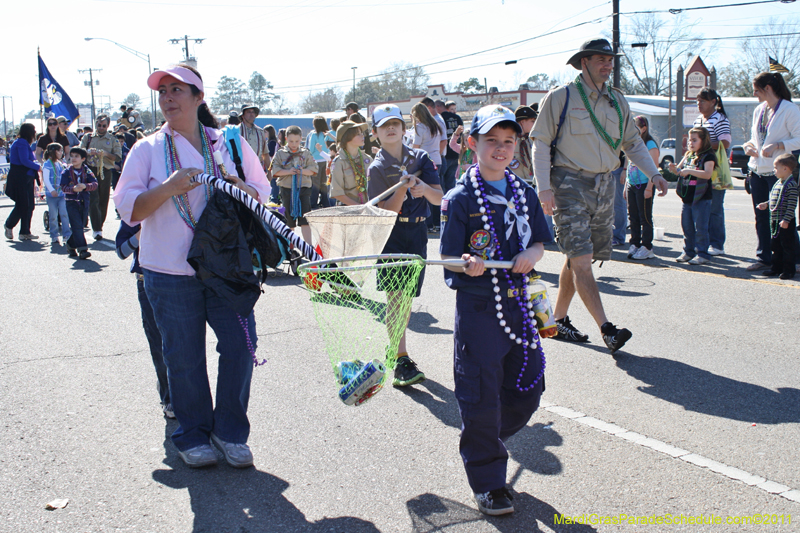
[499, 363]
[411, 202]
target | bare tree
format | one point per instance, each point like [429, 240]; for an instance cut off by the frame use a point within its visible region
[132, 100]
[649, 66]
[328, 100]
[773, 40]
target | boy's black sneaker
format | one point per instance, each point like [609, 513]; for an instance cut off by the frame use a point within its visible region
[615, 338]
[770, 273]
[406, 372]
[787, 276]
[73, 252]
[86, 254]
[568, 332]
[495, 502]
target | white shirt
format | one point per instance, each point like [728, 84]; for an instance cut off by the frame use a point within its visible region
[784, 127]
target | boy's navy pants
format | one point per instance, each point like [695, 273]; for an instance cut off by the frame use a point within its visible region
[487, 366]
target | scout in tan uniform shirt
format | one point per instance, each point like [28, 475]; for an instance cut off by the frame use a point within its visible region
[287, 161]
[579, 191]
[104, 150]
[349, 169]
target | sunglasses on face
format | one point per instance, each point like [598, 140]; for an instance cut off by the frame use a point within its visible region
[52, 124]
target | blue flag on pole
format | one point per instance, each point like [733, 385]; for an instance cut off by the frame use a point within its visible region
[54, 99]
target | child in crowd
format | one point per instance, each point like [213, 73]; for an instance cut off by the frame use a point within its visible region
[349, 169]
[522, 164]
[393, 163]
[292, 168]
[77, 181]
[639, 195]
[466, 157]
[698, 167]
[56, 203]
[782, 223]
[316, 142]
[128, 243]
[499, 363]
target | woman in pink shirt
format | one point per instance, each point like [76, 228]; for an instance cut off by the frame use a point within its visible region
[156, 190]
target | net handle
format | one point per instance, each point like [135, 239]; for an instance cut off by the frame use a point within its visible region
[460, 263]
[388, 192]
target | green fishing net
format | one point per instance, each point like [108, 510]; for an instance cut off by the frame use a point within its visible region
[362, 306]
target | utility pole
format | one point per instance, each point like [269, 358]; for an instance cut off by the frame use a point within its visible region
[354, 83]
[189, 60]
[91, 84]
[679, 116]
[615, 44]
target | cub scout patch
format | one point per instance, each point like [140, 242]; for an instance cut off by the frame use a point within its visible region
[514, 164]
[479, 240]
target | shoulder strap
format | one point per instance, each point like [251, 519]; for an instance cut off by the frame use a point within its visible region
[558, 129]
[233, 139]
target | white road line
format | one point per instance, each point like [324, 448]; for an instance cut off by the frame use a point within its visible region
[667, 449]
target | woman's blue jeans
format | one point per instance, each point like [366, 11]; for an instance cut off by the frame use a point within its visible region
[694, 221]
[716, 223]
[58, 207]
[182, 307]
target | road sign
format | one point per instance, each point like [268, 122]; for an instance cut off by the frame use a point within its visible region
[690, 113]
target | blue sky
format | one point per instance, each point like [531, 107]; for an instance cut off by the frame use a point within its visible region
[305, 42]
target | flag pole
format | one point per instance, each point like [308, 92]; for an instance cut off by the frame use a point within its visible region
[41, 111]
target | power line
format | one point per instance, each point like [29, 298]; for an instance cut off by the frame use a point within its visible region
[594, 21]
[676, 11]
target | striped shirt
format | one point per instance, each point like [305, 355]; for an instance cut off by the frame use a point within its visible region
[718, 126]
[783, 200]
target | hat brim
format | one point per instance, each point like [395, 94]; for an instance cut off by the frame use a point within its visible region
[258, 111]
[492, 122]
[575, 60]
[154, 80]
[386, 119]
[344, 128]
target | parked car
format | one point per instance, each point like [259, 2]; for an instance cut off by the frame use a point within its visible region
[738, 162]
[667, 153]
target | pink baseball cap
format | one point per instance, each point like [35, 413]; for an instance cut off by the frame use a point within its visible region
[179, 73]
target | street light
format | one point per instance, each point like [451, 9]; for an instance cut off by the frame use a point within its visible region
[5, 124]
[669, 114]
[140, 55]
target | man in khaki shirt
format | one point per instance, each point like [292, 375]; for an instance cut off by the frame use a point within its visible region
[255, 136]
[579, 189]
[104, 150]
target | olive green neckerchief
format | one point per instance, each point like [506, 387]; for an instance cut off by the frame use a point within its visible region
[603, 134]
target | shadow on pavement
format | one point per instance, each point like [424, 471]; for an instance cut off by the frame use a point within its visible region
[704, 392]
[528, 448]
[423, 322]
[439, 400]
[226, 499]
[430, 513]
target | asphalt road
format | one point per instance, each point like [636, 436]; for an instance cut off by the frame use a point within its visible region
[699, 414]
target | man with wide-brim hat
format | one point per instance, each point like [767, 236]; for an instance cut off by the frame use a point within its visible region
[585, 125]
[254, 135]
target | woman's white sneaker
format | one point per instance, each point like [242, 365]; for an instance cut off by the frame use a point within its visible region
[643, 253]
[632, 251]
[715, 251]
